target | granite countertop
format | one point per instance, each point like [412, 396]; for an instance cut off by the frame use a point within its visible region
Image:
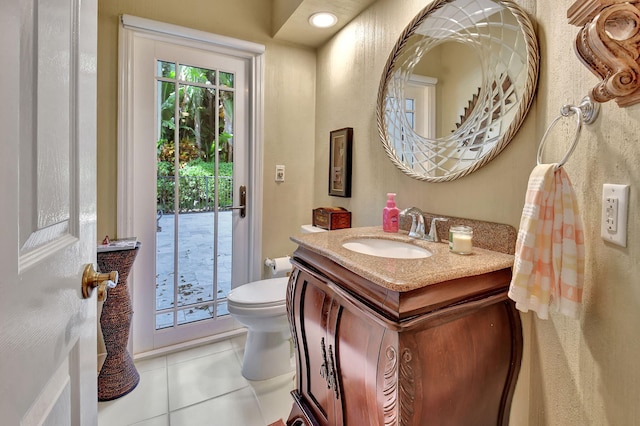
[402, 274]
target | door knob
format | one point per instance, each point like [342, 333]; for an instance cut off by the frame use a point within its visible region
[92, 279]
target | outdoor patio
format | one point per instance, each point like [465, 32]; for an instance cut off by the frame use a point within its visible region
[195, 265]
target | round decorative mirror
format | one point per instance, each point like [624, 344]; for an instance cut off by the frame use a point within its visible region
[456, 87]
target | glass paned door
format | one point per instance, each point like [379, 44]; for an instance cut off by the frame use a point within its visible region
[189, 147]
[195, 170]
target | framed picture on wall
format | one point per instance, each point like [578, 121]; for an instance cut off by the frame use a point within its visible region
[340, 146]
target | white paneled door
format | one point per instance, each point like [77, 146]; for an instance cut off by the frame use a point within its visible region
[47, 213]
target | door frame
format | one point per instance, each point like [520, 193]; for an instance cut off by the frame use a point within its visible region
[131, 27]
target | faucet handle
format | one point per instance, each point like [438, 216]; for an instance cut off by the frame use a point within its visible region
[417, 226]
[433, 230]
[417, 221]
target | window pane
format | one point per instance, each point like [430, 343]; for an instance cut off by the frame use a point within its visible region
[166, 69]
[222, 309]
[225, 126]
[409, 104]
[225, 243]
[226, 79]
[197, 124]
[410, 119]
[195, 313]
[165, 187]
[164, 320]
[197, 75]
[166, 120]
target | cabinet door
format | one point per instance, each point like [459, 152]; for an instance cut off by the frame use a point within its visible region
[356, 352]
[338, 349]
[331, 369]
[311, 310]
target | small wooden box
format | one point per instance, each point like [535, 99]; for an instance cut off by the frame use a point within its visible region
[331, 218]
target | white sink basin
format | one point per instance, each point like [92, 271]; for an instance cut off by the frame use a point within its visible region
[386, 248]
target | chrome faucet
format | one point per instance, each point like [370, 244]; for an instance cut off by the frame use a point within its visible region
[417, 222]
[433, 231]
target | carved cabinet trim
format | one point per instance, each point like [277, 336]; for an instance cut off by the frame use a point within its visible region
[399, 388]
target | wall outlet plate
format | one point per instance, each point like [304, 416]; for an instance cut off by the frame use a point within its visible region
[615, 202]
[280, 173]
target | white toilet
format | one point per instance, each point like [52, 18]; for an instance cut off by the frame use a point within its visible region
[261, 307]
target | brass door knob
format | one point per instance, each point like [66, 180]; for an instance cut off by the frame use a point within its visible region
[92, 279]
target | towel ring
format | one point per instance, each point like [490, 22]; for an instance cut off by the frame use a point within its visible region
[586, 112]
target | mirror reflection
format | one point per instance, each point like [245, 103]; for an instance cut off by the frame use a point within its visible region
[456, 87]
[451, 74]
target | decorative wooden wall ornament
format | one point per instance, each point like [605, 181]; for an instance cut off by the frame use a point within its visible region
[608, 44]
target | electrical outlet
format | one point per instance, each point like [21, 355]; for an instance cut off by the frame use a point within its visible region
[611, 213]
[280, 173]
[615, 201]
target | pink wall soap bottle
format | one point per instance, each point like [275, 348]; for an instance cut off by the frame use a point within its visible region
[390, 214]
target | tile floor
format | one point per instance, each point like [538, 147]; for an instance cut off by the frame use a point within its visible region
[202, 386]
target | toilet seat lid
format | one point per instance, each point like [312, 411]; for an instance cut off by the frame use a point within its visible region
[272, 291]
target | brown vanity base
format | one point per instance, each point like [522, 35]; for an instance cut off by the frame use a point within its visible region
[446, 354]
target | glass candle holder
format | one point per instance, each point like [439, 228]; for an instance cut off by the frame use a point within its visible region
[460, 239]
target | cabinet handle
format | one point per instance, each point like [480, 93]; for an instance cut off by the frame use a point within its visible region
[324, 371]
[328, 370]
[333, 378]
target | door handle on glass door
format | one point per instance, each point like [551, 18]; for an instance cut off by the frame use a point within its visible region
[243, 202]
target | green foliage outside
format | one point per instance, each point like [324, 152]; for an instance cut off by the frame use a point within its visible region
[197, 186]
[200, 111]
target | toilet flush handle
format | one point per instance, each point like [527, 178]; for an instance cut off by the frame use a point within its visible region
[243, 202]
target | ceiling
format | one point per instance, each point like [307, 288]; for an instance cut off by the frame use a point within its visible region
[291, 19]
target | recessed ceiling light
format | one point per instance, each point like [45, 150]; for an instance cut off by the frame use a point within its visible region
[323, 19]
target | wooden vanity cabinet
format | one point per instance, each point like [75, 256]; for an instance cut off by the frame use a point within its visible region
[446, 354]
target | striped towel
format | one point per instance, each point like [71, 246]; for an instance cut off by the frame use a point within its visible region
[549, 258]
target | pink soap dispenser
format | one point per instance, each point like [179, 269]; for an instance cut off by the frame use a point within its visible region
[390, 214]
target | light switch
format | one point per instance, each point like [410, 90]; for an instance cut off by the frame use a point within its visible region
[615, 201]
[280, 173]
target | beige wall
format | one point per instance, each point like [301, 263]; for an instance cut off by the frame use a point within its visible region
[585, 372]
[289, 106]
[575, 372]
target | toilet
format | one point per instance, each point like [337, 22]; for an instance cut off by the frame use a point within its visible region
[261, 307]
